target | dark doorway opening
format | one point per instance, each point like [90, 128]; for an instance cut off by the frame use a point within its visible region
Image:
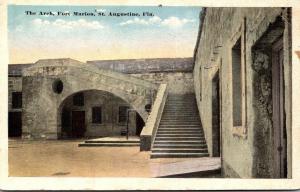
[78, 124]
[66, 123]
[15, 124]
[280, 135]
[139, 124]
[216, 116]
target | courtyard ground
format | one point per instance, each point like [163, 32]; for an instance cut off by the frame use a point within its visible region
[65, 158]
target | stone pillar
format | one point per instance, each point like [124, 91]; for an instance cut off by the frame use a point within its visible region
[40, 110]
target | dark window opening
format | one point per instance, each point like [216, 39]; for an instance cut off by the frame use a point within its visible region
[123, 114]
[78, 99]
[237, 84]
[57, 86]
[97, 115]
[16, 100]
[148, 107]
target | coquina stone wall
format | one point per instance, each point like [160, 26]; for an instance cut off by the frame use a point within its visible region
[176, 72]
[178, 82]
[248, 153]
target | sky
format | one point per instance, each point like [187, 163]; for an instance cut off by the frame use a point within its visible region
[167, 32]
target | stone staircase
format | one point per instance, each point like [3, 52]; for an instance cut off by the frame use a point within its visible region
[180, 133]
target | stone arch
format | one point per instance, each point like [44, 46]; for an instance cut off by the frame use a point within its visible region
[41, 102]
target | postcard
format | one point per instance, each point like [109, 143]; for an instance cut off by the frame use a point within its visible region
[149, 95]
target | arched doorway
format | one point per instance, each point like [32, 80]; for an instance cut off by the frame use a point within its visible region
[96, 113]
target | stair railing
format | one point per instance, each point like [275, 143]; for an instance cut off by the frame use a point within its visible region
[149, 131]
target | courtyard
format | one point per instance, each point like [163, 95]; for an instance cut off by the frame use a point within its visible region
[54, 158]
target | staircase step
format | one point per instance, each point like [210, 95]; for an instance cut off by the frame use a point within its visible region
[179, 123]
[185, 98]
[178, 135]
[178, 150]
[184, 129]
[179, 138]
[180, 120]
[197, 132]
[174, 124]
[175, 134]
[179, 142]
[184, 106]
[197, 146]
[179, 115]
[179, 126]
[180, 102]
[177, 155]
[182, 109]
[187, 121]
[178, 112]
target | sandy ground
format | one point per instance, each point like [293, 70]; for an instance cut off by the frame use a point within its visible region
[65, 158]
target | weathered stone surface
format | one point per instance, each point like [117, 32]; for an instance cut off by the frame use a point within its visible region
[146, 65]
[17, 69]
[250, 155]
[42, 105]
[78, 76]
[130, 66]
[178, 82]
[176, 72]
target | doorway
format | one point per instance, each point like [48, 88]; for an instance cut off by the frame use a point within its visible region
[280, 136]
[66, 123]
[15, 124]
[216, 116]
[78, 124]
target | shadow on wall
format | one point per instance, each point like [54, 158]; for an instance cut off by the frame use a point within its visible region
[94, 113]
